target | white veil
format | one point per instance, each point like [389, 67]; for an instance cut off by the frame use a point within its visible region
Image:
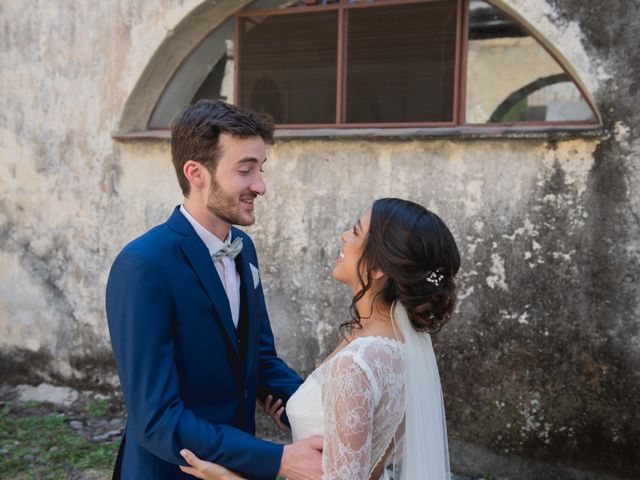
[425, 453]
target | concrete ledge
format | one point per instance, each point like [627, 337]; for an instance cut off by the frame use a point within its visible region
[464, 133]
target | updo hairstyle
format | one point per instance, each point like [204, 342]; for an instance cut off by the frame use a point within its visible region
[417, 253]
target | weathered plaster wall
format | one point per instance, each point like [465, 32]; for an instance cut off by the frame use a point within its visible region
[541, 363]
[67, 70]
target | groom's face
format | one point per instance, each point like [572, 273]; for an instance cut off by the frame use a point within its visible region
[237, 180]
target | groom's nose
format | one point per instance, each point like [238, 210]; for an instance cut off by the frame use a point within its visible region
[258, 186]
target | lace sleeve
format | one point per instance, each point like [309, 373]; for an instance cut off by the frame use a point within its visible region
[349, 398]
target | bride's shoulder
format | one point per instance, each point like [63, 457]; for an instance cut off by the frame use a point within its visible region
[373, 342]
[373, 348]
[366, 360]
[363, 351]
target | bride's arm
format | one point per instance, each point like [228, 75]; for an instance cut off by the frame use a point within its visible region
[349, 400]
[303, 463]
[206, 470]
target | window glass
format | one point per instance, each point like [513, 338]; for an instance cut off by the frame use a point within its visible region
[512, 78]
[207, 73]
[288, 66]
[219, 83]
[401, 63]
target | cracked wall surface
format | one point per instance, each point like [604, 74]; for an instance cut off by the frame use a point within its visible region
[540, 366]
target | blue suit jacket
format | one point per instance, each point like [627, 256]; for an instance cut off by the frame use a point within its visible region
[185, 381]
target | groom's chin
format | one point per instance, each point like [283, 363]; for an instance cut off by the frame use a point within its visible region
[245, 220]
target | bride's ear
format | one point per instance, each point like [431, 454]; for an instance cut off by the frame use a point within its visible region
[377, 274]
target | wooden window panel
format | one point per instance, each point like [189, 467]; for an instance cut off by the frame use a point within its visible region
[400, 63]
[289, 66]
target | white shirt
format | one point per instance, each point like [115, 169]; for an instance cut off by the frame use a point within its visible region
[225, 267]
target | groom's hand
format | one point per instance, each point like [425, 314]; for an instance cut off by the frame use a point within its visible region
[302, 460]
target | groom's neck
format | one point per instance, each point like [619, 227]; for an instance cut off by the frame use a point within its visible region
[206, 218]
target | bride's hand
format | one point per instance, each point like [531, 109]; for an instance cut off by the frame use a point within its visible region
[206, 470]
[275, 411]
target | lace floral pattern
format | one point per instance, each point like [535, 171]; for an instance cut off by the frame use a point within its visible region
[363, 403]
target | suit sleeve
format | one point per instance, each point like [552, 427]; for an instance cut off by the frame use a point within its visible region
[140, 315]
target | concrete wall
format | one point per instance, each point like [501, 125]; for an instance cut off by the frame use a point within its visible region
[540, 365]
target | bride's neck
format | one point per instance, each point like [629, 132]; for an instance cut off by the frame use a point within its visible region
[372, 310]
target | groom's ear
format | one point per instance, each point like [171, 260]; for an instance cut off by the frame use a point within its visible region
[195, 173]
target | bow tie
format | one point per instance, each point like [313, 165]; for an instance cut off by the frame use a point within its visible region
[230, 251]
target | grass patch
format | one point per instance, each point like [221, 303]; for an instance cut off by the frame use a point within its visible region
[97, 408]
[45, 447]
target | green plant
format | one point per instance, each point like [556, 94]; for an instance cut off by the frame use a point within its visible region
[97, 408]
[31, 404]
[44, 447]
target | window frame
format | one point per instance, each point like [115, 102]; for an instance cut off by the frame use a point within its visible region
[341, 77]
[460, 68]
[457, 127]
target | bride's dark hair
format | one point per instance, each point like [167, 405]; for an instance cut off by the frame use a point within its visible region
[417, 253]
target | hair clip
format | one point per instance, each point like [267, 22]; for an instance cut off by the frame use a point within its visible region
[434, 278]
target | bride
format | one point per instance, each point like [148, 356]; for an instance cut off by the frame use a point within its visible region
[377, 400]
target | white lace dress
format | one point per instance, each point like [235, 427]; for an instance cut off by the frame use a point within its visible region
[355, 400]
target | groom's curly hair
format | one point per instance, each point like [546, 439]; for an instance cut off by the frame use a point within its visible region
[196, 130]
[409, 244]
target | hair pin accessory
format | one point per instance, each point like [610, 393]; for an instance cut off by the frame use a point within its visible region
[434, 278]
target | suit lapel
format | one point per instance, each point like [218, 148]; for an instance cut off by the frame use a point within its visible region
[198, 256]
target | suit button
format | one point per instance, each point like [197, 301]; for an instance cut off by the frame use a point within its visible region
[246, 394]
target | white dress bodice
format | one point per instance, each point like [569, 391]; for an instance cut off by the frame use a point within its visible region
[355, 400]
[304, 410]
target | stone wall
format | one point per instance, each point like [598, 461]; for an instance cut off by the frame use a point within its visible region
[539, 366]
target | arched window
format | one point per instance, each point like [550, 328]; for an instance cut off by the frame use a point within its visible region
[379, 63]
[511, 78]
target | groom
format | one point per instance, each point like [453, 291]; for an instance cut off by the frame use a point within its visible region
[187, 316]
